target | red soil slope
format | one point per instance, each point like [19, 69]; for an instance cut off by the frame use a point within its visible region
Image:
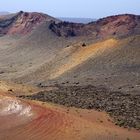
[23, 120]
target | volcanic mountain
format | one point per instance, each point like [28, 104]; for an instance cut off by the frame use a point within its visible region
[23, 22]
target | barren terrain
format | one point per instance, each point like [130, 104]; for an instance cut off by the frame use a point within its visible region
[64, 81]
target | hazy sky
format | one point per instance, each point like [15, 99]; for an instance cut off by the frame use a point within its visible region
[73, 8]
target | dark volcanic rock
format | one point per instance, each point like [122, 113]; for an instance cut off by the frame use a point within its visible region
[124, 108]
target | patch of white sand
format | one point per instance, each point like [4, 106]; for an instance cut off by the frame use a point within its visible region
[10, 106]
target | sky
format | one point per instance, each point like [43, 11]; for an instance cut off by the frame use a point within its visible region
[73, 8]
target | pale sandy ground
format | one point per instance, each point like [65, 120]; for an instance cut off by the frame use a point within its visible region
[32, 120]
[17, 89]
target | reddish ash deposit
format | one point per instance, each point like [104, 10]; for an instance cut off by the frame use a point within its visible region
[22, 120]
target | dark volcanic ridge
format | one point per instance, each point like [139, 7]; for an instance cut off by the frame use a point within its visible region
[124, 108]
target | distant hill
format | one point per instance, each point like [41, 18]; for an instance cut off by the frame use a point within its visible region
[77, 20]
[4, 13]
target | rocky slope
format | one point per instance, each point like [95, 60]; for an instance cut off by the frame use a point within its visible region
[56, 50]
